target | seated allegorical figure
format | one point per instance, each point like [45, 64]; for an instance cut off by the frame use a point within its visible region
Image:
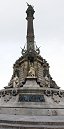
[31, 71]
[15, 81]
[47, 81]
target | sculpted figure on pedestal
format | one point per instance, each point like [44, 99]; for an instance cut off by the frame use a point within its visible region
[47, 81]
[31, 70]
[15, 81]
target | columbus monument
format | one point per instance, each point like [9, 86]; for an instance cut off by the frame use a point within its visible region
[32, 99]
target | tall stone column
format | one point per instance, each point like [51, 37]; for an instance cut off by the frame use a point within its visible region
[30, 31]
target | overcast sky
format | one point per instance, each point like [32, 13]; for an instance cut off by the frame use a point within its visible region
[49, 34]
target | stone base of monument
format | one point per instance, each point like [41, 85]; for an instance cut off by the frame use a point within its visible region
[31, 122]
[31, 106]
